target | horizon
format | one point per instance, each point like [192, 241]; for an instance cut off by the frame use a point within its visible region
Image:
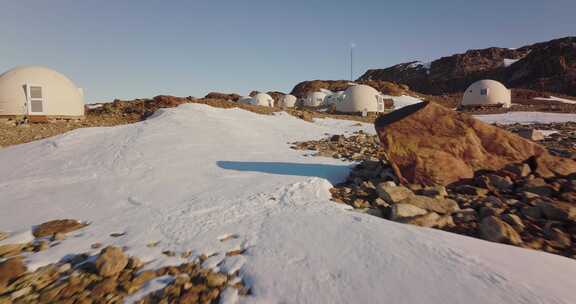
[133, 50]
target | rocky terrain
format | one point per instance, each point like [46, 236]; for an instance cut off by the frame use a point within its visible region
[547, 66]
[514, 205]
[107, 277]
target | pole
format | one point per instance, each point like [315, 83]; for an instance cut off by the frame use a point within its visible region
[351, 62]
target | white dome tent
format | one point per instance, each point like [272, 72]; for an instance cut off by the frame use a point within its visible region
[288, 101]
[486, 93]
[361, 99]
[263, 99]
[315, 99]
[37, 91]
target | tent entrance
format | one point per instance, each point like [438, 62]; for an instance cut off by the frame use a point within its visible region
[35, 99]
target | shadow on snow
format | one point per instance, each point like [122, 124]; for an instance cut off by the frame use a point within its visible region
[333, 173]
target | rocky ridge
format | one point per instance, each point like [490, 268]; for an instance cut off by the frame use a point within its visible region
[514, 205]
[548, 66]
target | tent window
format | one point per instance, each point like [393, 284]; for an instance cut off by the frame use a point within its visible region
[484, 92]
[36, 92]
[36, 106]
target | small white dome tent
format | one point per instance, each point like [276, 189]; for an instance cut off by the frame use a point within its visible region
[487, 93]
[288, 101]
[263, 99]
[41, 92]
[315, 99]
[361, 98]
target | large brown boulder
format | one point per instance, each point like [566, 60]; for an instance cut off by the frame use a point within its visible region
[429, 144]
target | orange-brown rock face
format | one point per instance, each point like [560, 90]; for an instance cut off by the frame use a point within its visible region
[430, 144]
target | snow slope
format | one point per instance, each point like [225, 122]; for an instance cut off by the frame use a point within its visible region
[402, 100]
[526, 117]
[193, 176]
[552, 98]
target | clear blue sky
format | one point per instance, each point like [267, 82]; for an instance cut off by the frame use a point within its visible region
[129, 49]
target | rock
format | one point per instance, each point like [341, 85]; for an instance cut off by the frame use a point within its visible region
[111, 261]
[495, 230]
[514, 221]
[134, 263]
[471, 190]
[560, 238]
[140, 280]
[532, 134]
[558, 211]
[540, 190]
[9, 250]
[435, 192]
[216, 279]
[499, 182]
[441, 205]
[10, 270]
[520, 170]
[430, 220]
[381, 203]
[42, 245]
[465, 216]
[393, 194]
[59, 236]
[489, 211]
[532, 212]
[57, 226]
[402, 211]
[104, 287]
[360, 203]
[429, 144]
[3, 235]
[568, 196]
[20, 293]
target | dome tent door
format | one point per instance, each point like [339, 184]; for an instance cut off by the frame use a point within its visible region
[35, 99]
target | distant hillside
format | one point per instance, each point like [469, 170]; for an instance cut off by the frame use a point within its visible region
[547, 66]
[386, 87]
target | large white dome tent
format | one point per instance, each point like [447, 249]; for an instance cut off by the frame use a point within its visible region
[39, 91]
[361, 98]
[487, 93]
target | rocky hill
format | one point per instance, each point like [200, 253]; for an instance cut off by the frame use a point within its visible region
[386, 87]
[547, 66]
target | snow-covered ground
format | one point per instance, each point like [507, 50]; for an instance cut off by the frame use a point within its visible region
[192, 176]
[403, 100]
[508, 62]
[526, 117]
[552, 98]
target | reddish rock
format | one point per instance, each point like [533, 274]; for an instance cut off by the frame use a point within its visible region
[57, 226]
[429, 144]
[10, 270]
[111, 261]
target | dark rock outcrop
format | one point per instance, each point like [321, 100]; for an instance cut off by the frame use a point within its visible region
[547, 66]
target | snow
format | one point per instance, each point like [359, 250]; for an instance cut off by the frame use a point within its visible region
[214, 180]
[403, 100]
[508, 62]
[552, 98]
[526, 117]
